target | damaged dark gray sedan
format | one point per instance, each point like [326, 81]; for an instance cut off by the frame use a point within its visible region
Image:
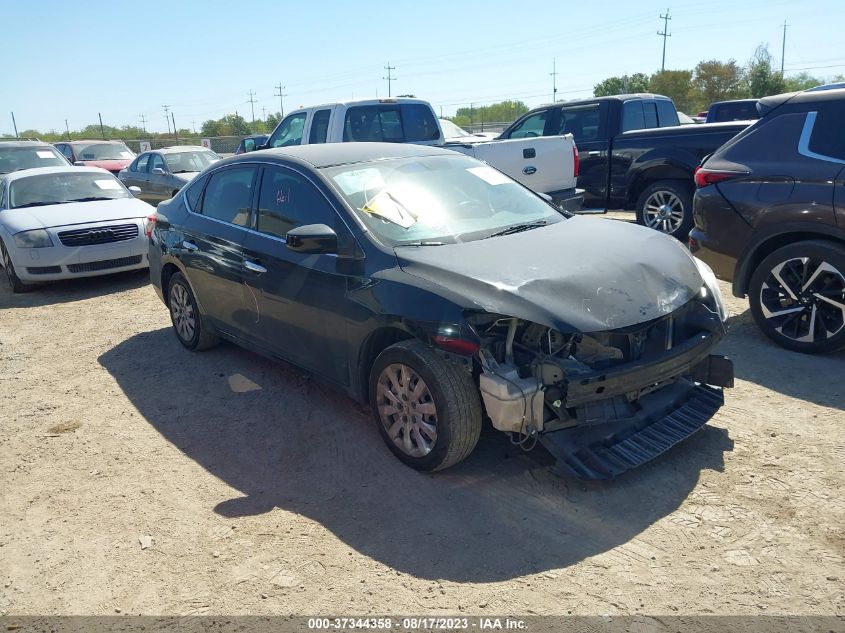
[445, 294]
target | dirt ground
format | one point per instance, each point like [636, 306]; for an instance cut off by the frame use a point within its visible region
[137, 477]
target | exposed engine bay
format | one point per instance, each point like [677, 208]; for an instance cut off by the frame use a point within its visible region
[535, 380]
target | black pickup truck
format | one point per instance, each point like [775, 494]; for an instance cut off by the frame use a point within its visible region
[634, 154]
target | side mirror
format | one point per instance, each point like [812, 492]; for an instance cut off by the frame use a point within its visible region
[135, 191]
[312, 238]
[157, 171]
[249, 145]
[78, 163]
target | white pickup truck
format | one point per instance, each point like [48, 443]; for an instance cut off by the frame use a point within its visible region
[545, 164]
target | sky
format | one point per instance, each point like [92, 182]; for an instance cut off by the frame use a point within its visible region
[72, 60]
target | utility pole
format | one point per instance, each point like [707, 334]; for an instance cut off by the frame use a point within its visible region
[175, 134]
[281, 95]
[194, 126]
[389, 78]
[166, 117]
[252, 105]
[554, 75]
[783, 48]
[470, 114]
[665, 33]
[263, 113]
[143, 123]
[67, 129]
[15, 125]
[102, 131]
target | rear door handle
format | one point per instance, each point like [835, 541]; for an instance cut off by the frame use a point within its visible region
[594, 153]
[189, 246]
[254, 266]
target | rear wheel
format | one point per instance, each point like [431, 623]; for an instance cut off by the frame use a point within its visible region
[11, 276]
[427, 409]
[185, 315]
[666, 206]
[797, 296]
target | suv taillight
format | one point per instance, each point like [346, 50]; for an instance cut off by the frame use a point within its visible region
[149, 225]
[576, 159]
[704, 177]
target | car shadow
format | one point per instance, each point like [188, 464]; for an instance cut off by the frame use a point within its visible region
[65, 291]
[814, 378]
[286, 440]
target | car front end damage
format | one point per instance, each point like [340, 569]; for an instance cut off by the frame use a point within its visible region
[604, 402]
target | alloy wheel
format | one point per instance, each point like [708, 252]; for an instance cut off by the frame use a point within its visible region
[804, 299]
[182, 311]
[407, 410]
[664, 211]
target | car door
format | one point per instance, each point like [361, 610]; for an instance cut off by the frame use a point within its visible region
[839, 197]
[158, 180]
[132, 176]
[587, 124]
[211, 247]
[297, 300]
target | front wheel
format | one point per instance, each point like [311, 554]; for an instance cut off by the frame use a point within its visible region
[797, 296]
[427, 409]
[187, 320]
[666, 206]
[11, 276]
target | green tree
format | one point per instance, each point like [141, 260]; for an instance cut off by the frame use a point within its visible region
[762, 80]
[801, 81]
[273, 120]
[638, 82]
[717, 81]
[675, 84]
[502, 112]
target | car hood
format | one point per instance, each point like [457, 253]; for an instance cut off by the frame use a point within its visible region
[109, 165]
[17, 220]
[580, 274]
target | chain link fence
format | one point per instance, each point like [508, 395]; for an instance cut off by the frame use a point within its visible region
[219, 144]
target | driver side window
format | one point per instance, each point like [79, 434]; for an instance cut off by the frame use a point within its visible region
[289, 131]
[141, 164]
[531, 126]
[157, 162]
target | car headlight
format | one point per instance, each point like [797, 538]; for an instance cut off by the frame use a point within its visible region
[33, 239]
[711, 288]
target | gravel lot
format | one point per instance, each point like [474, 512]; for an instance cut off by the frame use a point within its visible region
[258, 490]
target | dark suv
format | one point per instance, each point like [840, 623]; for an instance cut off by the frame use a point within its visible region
[770, 216]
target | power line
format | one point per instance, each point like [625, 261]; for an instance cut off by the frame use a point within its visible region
[665, 33]
[252, 105]
[389, 78]
[281, 95]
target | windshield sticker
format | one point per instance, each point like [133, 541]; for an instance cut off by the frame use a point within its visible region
[359, 180]
[489, 175]
[47, 154]
[107, 184]
[388, 208]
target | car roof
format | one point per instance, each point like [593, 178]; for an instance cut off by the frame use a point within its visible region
[622, 97]
[41, 171]
[91, 142]
[767, 104]
[24, 144]
[361, 102]
[175, 149]
[715, 103]
[329, 154]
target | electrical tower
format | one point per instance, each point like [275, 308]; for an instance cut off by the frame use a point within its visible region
[390, 79]
[252, 105]
[664, 33]
[143, 123]
[554, 75]
[281, 95]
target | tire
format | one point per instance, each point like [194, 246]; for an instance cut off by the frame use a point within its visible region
[666, 206]
[188, 323]
[797, 296]
[11, 276]
[441, 421]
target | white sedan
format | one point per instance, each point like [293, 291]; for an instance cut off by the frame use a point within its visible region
[66, 222]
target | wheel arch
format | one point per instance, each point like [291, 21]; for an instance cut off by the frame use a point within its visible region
[374, 344]
[649, 174]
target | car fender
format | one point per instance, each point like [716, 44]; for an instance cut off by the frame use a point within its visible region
[652, 166]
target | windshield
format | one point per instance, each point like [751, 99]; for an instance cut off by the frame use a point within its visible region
[183, 162]
[15, 158]
[62, 187]
[103, 151]
[437, 199]
[450, 130]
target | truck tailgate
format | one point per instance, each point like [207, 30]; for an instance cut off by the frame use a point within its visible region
[544, 163]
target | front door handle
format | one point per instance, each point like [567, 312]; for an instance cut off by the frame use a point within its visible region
[254, 266]
[594, 153]
[189, 246]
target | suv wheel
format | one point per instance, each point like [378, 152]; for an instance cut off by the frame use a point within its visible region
[12, 277]
[797, 296]
[666, 206]
[187, 320]
[427, 409]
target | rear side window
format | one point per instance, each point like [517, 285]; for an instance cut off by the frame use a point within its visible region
[287, 200]
[390, 123]
[632, 116]
[580, 121]
[828, 136]
[772, 140]
[667, 116]
[141, 163]
[530, 126]
[650, 114]
[194, 191]
[319, 126]
[228, 195]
